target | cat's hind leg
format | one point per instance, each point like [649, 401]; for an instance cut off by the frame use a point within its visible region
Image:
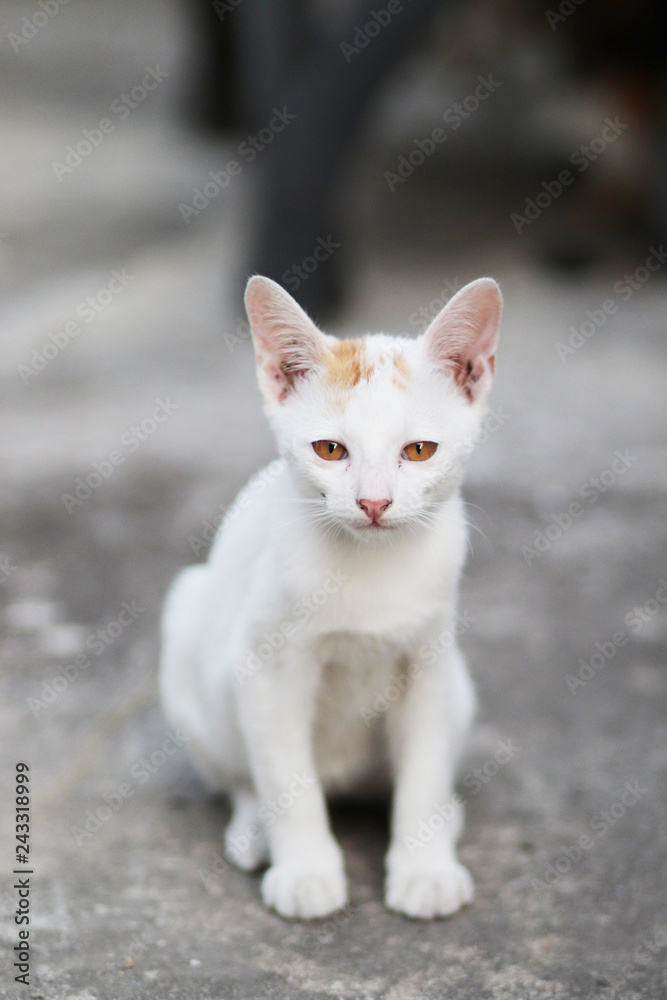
[205, 721]
[182, 622]
[245, 840]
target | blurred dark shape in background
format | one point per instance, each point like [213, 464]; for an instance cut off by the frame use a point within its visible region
[617, 48]
[257, 55]
[287, 56]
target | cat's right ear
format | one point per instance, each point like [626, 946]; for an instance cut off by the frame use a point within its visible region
[287, 343]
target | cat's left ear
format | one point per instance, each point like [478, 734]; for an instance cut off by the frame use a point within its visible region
[461, 341]
[287, 343]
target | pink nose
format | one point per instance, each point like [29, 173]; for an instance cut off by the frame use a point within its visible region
[374, 508]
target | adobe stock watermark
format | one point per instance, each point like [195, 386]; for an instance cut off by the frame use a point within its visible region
[130, 441]
[473, 781]
[591, 491]
[253, 488]
[459, 454]
[566, 8]
[605, 651]
[492, 422]
[643, 613]
[217, 867]
[298, 273]
[581, 158]
[135, 949]
[462, 452]
[624, 288]
[237, 844]
[600, 825]
[32, 25]
[292, 278]
[87, 310]
[429, 653]
[140, 772]
[320, 935]
[269, 811]
[6, 569]
[96, 643]
[249, 149]
[422, 317]
[643, 955]
[224, 7]
[454, 116]
[120, 109]
[301, 613]
[241, 335]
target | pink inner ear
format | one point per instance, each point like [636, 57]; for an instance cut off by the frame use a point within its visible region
[461, 340]
[287, 343]
[469, 370]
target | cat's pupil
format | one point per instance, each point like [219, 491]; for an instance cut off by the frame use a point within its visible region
[419, 447]
[332, 447]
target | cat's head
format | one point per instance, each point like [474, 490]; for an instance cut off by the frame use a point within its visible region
[376, 430]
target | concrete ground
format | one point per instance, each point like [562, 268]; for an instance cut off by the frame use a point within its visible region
[567, 839]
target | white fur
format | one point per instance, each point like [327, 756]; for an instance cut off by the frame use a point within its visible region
[347, 605]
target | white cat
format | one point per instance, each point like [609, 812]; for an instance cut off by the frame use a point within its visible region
[306, 657]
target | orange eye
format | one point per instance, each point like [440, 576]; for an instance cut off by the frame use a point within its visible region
[419, 451]
[332, 451]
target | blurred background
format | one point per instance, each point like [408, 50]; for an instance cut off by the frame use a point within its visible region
[373, 158]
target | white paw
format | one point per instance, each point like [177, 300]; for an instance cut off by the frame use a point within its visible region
[246, 848]
[305, 891]
[427, 892]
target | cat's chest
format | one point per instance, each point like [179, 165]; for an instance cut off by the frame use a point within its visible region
[384, 609]
[388, 594]
[361, 676]
[355, 663]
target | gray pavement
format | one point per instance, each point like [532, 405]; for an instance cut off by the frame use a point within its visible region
[567, 840]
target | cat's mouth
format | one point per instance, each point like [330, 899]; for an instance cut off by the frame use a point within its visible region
[374, 527]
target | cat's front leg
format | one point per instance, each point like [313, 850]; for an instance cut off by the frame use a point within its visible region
[426, 731]
[276, 708]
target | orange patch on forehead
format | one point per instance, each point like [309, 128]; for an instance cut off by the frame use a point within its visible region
[345, 364]
[403, 373]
